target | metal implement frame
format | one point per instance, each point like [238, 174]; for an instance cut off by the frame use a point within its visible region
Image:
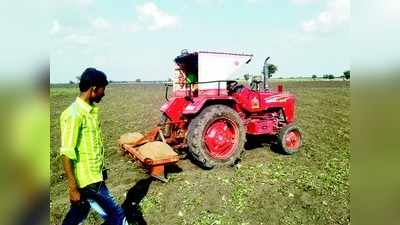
[156, 168]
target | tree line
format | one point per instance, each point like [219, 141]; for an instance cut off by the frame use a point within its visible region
[346, 74]
[271, 70]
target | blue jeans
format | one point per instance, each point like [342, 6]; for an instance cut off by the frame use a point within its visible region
[98, 197]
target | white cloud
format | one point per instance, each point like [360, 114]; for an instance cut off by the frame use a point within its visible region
[335, 15]
[304, 2]
[154, 18]
[309, 26]
[132, 27]
[101, 24]
[391, 9]
[79, 39]
[55, 27]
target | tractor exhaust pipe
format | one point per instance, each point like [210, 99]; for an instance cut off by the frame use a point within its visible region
[265, 73]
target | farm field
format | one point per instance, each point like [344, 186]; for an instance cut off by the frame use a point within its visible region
[311, 187]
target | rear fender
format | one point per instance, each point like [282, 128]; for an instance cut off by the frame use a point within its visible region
[174, 107]
[199, 103]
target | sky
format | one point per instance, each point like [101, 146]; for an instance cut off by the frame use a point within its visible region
[140, 39]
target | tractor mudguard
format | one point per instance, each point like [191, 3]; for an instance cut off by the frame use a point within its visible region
[198, 103]
[174, 107]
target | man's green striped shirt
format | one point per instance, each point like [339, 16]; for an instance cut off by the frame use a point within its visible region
[81, 141]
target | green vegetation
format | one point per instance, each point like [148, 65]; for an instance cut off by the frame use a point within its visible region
[328, 76]
[272, 69]
[311, 187]
[346, 74]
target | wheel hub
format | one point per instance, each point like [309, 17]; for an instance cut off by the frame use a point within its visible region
[221, 138]
[292, 140]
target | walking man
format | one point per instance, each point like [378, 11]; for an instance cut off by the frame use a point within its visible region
[83, 151]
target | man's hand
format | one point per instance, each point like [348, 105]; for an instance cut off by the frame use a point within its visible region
[74, 195]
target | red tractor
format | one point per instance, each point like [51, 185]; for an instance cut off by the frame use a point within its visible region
[209, 115]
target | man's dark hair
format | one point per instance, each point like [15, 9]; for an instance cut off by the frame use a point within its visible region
[92, 77]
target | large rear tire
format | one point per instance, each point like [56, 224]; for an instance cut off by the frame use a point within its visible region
[216, 137]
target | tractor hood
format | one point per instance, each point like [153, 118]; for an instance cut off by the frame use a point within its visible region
[212, 66]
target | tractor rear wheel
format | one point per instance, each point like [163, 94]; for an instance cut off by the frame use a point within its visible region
[216, 136]
[289, 139]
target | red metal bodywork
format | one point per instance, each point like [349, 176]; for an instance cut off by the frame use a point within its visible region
[174, 107]
[180, 105]
[262, 112]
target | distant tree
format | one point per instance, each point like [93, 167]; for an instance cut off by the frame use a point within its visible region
[78, 78]
[314, 77]
[138, 80]
[325, 76]
[71, 82]
[346, 74]
[331, 77]
[111, 81]
[272, 69]
[169, 80]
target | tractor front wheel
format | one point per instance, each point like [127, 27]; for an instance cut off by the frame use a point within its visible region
[216, 136]
[289, 139]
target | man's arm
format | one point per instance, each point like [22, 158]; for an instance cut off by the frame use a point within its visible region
[69, 137]
[74, 195]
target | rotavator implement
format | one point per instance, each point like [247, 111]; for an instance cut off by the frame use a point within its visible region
[208, 115]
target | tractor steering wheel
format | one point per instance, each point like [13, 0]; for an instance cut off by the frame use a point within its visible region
[235, 87]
